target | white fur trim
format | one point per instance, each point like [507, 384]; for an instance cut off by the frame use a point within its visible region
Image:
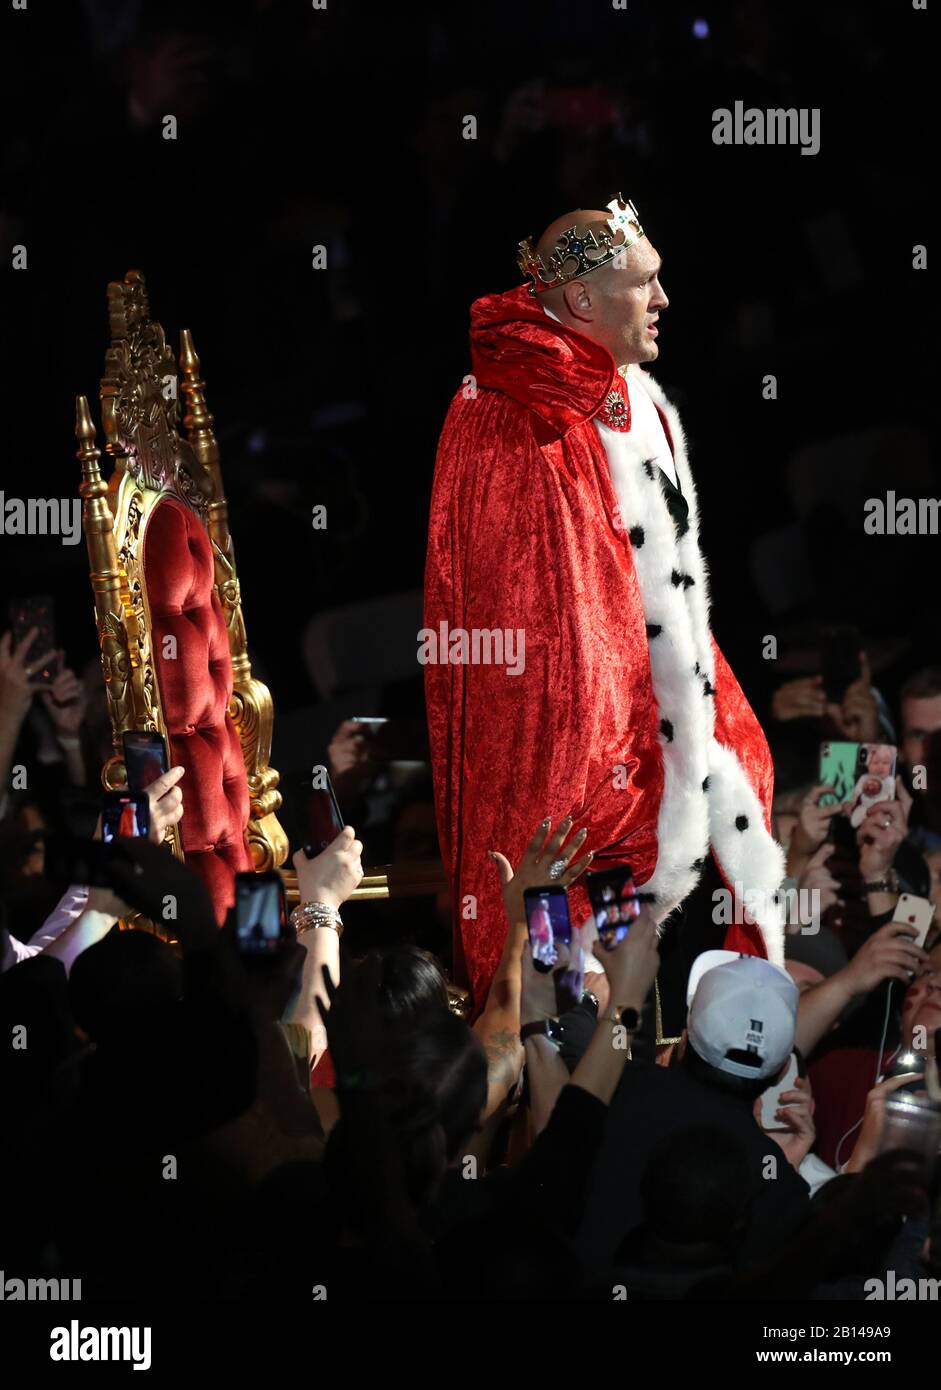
[681, 665]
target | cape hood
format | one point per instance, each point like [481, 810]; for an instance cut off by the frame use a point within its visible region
[552, 370]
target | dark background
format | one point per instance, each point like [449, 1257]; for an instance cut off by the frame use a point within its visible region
[343, 127]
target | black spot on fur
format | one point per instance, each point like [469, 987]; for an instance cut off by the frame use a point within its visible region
[654, 629]
[708, 689]
[676, 579]
[705, 785]
[666, 728]
[688, 581]
[648, 468]
[698, 865]
[741, 822]
[636, 534]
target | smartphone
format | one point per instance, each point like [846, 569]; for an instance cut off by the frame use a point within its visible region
[874, 779]
[372, 722]
[840, 648]
[145, 758]
[261, 917]
[124, 813]
[771, 1099]
[904, 1063]
[323, 814]
[550, 926]
[914, 912]
[548, 923]
[614, 902]
[37, 611]
[838, 762]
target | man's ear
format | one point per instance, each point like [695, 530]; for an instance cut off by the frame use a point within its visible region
[578, 300]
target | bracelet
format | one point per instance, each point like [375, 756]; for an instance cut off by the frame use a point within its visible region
[889, 884]
[311, 916]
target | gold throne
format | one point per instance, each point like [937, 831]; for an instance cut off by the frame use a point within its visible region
[173, 643]
[162, 513]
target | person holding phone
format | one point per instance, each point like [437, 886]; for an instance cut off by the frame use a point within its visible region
[63, 698]
[85, 915]
[324, 882]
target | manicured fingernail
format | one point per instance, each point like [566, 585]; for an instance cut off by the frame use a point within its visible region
[546, 822]
[581, 834]
[492, 855]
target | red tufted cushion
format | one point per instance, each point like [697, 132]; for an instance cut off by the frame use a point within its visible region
[195, 688]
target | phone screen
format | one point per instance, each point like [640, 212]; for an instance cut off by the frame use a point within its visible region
[37, 611]
[615, 904]
[260, 914]
[323, 816]
[124, 813]
[548, 923]
[145, 758]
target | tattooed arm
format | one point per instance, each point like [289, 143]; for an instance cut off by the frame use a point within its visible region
[498, 1027]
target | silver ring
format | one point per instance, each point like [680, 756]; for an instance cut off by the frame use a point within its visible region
[557, 868]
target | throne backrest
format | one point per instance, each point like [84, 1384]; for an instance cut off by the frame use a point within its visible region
[173, 642]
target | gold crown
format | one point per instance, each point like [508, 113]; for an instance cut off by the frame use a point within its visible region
[576, 253]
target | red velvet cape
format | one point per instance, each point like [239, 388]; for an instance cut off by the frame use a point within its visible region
[522, 535]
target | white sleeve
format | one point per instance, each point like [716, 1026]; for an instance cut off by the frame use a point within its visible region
[15, 951]
[70, 907]
[815, 1172]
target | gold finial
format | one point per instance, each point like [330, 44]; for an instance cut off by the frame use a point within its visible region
[84, 425]
[188, 359]
[197, 420]
[86, 453]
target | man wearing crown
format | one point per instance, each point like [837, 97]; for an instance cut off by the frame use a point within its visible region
[564, 509]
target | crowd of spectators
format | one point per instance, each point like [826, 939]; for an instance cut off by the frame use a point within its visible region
[167, 1096]
[169, 1100]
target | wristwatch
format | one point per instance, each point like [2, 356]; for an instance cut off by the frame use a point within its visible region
[541, 1028]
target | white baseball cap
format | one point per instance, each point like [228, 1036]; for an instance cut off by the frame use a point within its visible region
[706, 960]
[742, 1015]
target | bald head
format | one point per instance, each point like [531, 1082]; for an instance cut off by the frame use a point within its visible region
[618, 303]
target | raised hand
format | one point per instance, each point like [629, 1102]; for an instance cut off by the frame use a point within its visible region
[545, 848]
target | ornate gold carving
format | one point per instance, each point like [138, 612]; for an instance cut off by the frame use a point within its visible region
[140, 414]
